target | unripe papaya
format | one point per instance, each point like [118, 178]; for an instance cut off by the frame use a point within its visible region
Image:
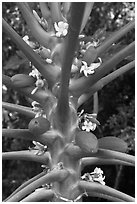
[90, 55]
[22, 80]
[39, 125]
[87, 141]
[112, 143]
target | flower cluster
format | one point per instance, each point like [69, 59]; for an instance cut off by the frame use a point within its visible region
[84, 46]
[91, 68]
[38, 110]
[40, 83]
[95, 176]
[90, 122]
[88, 126]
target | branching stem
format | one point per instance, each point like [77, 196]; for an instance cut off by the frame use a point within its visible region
[77, 10]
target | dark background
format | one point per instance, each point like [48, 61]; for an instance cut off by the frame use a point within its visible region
[116, 100]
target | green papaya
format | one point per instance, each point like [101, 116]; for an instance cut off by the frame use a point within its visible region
[22, 80]
[87, 141]
[39, 125]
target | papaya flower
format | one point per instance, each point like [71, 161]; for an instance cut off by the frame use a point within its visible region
[91, 117]
[61, 28]
[91, 68]
[95, 176]
[89, 126]
[37, 109]
[30, 43]
[35, 73]
[93, 44]
[41, 149]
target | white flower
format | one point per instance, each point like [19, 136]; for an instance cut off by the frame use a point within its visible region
[61, 28]
[49, 61]
[95, 176]
[92, 117]
[81, 36]
[88, 125]
[40, 147]
[35, 103]
[97, 171]
[35, 73]
[100, 179]
[93, 44]
[4, 88]
[91, 69]
[30, 43]
[36, 106]
[26, 38]
[38, 110]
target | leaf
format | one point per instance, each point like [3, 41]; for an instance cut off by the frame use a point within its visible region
[87, 141]
[112, 143]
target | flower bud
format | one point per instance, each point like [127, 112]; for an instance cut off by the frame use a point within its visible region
[44, 53]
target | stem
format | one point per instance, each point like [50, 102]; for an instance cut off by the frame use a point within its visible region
[25, 184]
[116, 36]
[27, 135]
[77, 153]
[26, 155]
[66, 7]
[43, 37]
[88, 9]
[54, 175]
[116, 155]
[118, 176]
[56, 12]
[48, 71]
[45, 10]
[107, 197]
[101, 161]
[77, 10]
[82, 84]
[39, 196]
[95, 103]
[21, 109]
[104, 81]
[90, 187]
[18, 133]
